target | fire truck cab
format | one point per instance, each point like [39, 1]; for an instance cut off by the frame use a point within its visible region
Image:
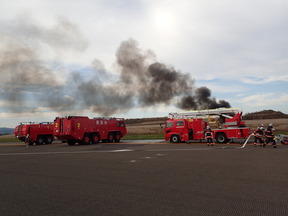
[225, 123]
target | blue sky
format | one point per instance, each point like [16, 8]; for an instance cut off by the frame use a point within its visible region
[238, 49]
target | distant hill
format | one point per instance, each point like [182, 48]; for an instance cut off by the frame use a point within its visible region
[4, 130]
[265, 114]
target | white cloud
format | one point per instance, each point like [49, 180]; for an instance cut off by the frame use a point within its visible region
[220, 38]
[266, 79]
[264, 100]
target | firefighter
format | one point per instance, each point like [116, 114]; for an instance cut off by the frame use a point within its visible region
[269, 134]
[270, 127]
[27, 140]
[209, 136]
[258, 133]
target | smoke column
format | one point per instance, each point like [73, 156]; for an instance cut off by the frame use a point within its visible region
[157, 83]
[27, 82]
[144, 84]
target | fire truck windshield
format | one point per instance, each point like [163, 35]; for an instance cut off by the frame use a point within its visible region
[121, 124]
[169, 124]
[179, 123]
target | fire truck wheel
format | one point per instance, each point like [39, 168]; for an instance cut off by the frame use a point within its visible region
[39, 140]
[71, 142]
[95, 139]
[175, 139]
[86, 140]
[110, 138]
[221, 138]
[117, 138]
[48, 140]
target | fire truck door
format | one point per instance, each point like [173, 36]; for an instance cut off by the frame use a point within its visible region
[179, 126]
[198, 130]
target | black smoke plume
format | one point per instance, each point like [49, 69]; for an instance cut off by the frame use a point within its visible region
[29, 83]
[155, 83]
[201, 100]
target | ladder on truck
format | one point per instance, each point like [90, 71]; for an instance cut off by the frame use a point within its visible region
[204, 113]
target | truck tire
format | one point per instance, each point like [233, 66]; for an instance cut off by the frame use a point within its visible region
[175, 139]
[117, 137]
[48, 140]
[110, 138]
[221, 138]
[71, 142]
[39, 140]
[95, 139]
[86, 140]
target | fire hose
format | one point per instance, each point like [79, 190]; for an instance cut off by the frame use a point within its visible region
[282, 138]
[244, 144]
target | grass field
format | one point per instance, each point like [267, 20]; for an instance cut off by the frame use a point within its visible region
[280, 125]
[143, 136]
[8, 138]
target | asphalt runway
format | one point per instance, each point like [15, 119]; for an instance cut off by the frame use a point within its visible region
[143, 178]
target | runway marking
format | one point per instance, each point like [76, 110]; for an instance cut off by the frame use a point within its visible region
[113, 151]
[122, 150]
[146, 158]
[75, 152]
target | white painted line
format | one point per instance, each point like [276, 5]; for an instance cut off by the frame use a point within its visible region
[115, 151]
[123, 150]
[75, 152]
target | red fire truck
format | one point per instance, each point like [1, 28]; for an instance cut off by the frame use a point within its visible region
[82, 130]
[31, 132]
[226, 124]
